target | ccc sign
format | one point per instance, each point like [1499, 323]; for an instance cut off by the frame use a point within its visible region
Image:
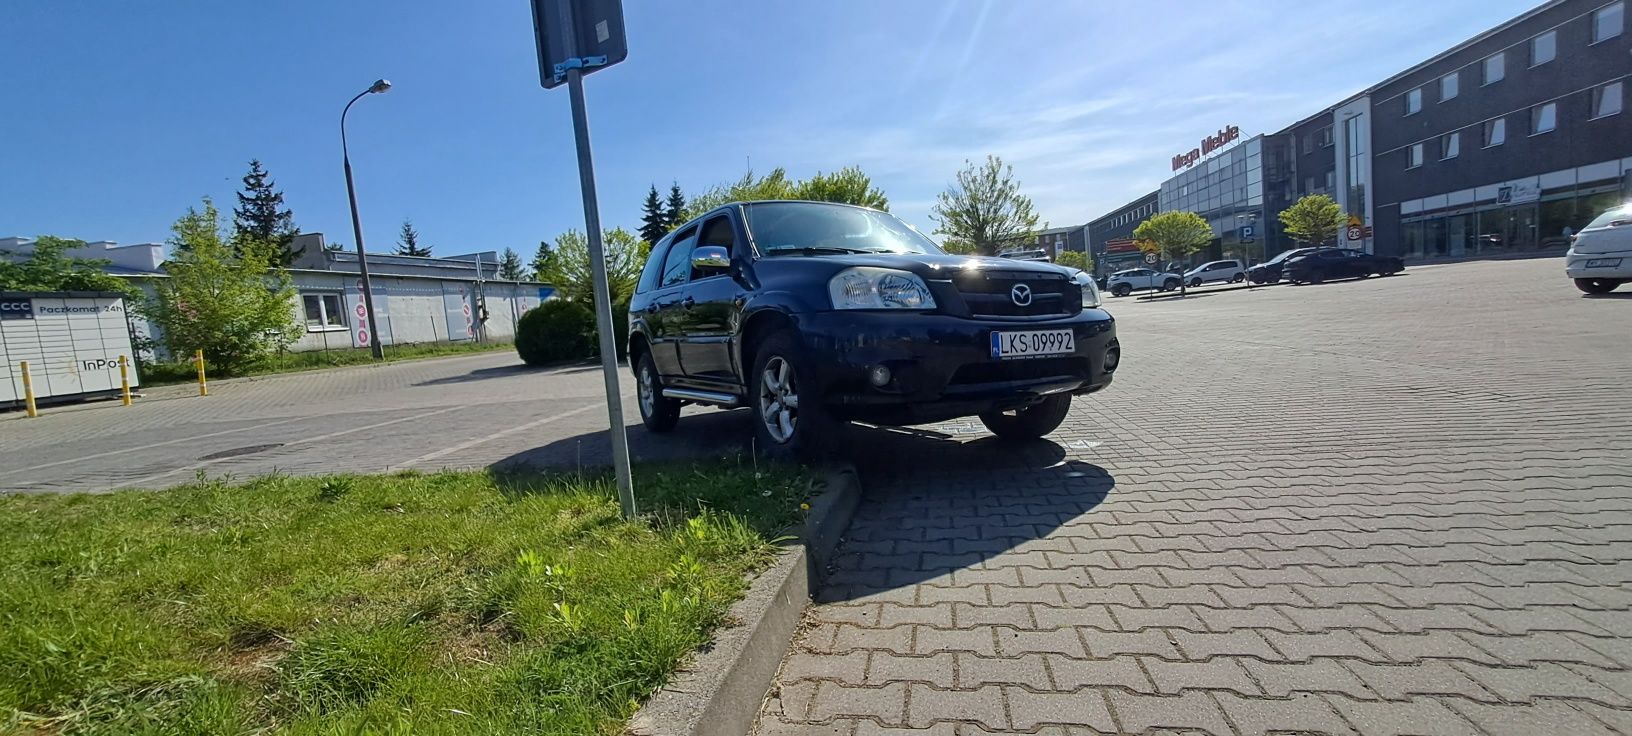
[16, 309]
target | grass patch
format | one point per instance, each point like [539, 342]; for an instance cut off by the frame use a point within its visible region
[161, 374]
[456, 602]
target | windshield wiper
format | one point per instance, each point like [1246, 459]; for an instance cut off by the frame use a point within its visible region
[811, 250]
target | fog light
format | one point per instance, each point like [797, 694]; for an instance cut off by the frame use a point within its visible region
[1113, 355]
[879, 376]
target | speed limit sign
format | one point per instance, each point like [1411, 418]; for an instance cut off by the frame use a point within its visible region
[1150, 258]
[1355, 233]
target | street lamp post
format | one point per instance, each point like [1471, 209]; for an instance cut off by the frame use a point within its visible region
[378, 351]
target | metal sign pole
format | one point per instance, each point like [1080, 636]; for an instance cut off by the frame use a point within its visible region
[597, 262]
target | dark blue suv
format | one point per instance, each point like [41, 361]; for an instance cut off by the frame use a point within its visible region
[812, 314]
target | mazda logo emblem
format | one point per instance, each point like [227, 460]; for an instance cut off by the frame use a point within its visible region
[1021, 294]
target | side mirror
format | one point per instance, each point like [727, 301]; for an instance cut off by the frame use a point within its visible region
[710, 258]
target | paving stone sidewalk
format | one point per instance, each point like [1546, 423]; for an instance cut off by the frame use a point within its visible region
[1387, 506]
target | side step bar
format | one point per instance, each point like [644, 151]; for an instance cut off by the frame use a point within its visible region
[710, 397]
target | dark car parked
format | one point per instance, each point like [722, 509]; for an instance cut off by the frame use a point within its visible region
[1270, 271]
[1324, 264]
[812, 314]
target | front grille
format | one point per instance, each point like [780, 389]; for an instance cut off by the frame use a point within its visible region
[1020, 370]
[990, 294]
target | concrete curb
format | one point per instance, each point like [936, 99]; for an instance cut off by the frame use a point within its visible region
[722, 689]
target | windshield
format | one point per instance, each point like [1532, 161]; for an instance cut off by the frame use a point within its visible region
[1285, 255]
[812, 228]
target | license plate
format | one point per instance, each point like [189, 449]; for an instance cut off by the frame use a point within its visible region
[1603, 263]
[1028, 344]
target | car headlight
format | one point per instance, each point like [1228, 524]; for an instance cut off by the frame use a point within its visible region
[865, 287]
[1090, 290]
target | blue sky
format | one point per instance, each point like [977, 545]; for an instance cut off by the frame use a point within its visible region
[121, 115]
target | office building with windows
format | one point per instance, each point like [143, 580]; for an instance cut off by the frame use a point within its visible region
[1508, 142]
[1227, 190]
[1110, 238]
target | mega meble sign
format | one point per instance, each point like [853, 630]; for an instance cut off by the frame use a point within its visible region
[1208, 145]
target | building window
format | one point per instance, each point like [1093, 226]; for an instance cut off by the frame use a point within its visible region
[1606, 100]
[1308, 184]
[1543, 118]
[1308, 144]
[1543, 48]
[1326, 136]
[1450, 146]
[323, 312]
[1331, 179]
[1495, 132]
[1607, 22]
[1495, 67]
[1413, 156]
[1413, 101]
[1447, 86]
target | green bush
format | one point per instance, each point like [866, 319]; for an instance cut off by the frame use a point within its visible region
[620, 330]
[555, 331]
[1075, 259]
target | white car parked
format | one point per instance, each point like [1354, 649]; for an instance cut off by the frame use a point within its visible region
[1600, 256]
[1122, 283]
[1227, 270]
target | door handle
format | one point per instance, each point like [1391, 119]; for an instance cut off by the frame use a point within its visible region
[688, 302]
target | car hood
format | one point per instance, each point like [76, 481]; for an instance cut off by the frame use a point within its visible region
[938, 266]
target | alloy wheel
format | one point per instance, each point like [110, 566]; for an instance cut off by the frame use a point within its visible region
[778, 399]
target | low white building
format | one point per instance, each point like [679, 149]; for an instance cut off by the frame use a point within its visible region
[416, 300]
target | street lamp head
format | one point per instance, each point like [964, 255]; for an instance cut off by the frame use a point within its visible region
[380, 85]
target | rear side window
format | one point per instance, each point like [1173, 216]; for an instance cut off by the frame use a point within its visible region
[677, 263]
[1619, 213]
[654, 266]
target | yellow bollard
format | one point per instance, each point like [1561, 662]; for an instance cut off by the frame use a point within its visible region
[124, 381]
[203, 388]
[28, 392]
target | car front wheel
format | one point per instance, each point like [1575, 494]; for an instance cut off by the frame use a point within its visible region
[1030, 422]
[1195, 283]
[1170, 284]
[1597, 286]
[1121, 290]
[658, 412]
[789, 421]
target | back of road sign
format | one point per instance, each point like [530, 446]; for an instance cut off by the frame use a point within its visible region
[597, 33]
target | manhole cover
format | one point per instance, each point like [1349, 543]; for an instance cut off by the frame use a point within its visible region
[237, 451]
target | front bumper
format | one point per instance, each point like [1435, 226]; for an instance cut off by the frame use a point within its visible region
[941, 366]
[1575, 265]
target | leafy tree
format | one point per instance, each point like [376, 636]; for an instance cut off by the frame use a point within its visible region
[541, 260]
[235, 304]
[510, 268]
[959, 247]
[1075, 259]
[674, 209]
[847, 185]
[566, 265]
[49, 268]
[408, 241]
[654, 222]
[775, 185]
[1173, 235]
[261, 217]
[1315, 219]
[984, 207]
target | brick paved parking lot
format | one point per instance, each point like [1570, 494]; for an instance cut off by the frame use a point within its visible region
[1385, 506]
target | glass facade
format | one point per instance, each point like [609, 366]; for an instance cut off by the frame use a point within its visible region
[1490, 228]
[1227, 190]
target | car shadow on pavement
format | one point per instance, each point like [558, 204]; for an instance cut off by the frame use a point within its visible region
[482, 374]
[954, 516]
[1611, 295]
[705, 434]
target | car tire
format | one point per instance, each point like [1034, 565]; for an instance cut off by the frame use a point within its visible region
[1121, 290]
[803, 431]
[658, 412]
[1170, 284]
[1238, 278]
[1195, 283]
[1597, 286]
[1030, 422]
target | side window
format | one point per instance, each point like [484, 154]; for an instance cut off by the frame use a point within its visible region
[654, 266]
[677, 263]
